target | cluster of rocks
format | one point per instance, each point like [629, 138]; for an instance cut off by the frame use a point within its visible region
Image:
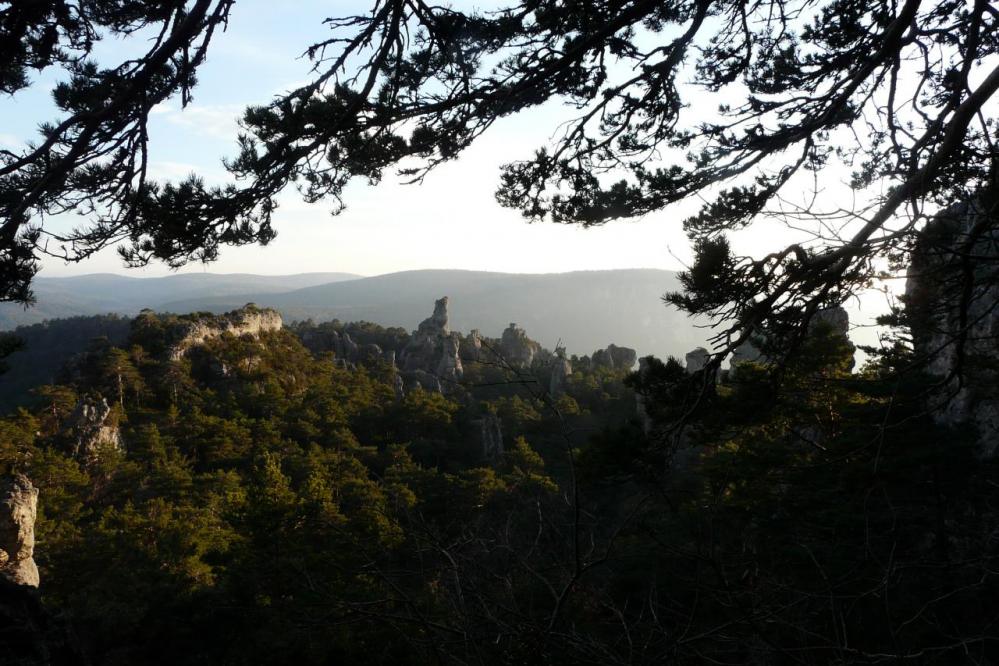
[697, 359]
[432, 358]
[516, 348]
[94, 430]
[248, 320]
[347, 353]
[614, 357]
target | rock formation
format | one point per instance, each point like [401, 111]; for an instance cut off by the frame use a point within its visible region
[248, 320]
[835, 317]
[471, 348]
[951, 301]
[94, 429]
[345, 348]
[449, 367]
[29, 635]
[432, 357]
[561, 371]
[644, 417]
[619, 358]
[696, 359]
[18, 510]
[516, 348]
[747, 352]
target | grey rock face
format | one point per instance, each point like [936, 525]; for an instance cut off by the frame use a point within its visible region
[94, 429]
[249, 320]
[472, 347]
[424, 380]
[836, 318]
[449, 366]
[18, 510]
[960, 341]
[620, 358]
[747, 352]
[561, 371]
[434, 352]
[696, 359]
[516, 348]
[642, 407]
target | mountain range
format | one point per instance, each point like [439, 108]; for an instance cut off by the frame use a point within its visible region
[102, 293]
[583, 310]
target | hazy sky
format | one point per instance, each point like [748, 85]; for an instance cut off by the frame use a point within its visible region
[450, 221]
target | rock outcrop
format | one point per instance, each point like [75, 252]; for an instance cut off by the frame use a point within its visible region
[696, 359]
[449, 366]
[951, 300]
[516, 348]
[248, 320]
[18, 510]
[747, 352]
[471, 346]
[94, 429]
[345, 348]
[619, 358]
[836, 318]
[29, 634]
[432, 357]
[641, 402]
[561, 371]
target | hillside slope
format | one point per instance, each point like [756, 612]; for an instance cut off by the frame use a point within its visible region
[101, 293]
[586, 310]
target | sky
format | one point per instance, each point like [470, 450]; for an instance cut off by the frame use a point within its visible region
[451, 220]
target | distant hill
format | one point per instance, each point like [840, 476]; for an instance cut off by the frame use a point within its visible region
[586, 310]
[101, 293]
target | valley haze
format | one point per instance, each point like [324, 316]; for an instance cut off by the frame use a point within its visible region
[581, 310]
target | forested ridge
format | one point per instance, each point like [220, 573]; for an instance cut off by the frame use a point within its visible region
[257, 497]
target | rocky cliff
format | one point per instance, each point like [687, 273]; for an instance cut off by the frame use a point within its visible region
[29, 635]
[834, 318]
[561, 371]
[248, 320]
[516, 348]
[95, 430]
[432, 358]
[18, 510]
[952, 305]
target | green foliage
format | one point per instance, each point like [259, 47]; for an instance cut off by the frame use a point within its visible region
[272, 507]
